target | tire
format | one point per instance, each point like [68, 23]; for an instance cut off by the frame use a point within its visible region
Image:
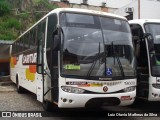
[20, 89]
[49, 107]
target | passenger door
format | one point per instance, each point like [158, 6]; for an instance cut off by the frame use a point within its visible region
[142, 61]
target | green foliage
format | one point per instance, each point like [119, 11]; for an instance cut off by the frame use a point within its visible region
[9, 27]
[24, 15]
[5, 7]
[12, 23]
[48, 5]
[38, 16]
[35, 1]
[44, 3]
[7, 35]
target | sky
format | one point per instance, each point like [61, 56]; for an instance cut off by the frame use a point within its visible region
[117, 3]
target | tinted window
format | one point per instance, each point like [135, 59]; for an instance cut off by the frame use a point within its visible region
[115, 24]
[79, 18]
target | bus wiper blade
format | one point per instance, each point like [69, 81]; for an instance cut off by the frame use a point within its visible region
[118, 61]
[94, 62]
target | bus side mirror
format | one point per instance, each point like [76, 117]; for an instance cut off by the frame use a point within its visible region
[148, 36]
[150, 41]
[56, 43]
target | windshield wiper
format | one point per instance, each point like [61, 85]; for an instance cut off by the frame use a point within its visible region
[118, 60]
[94, 62]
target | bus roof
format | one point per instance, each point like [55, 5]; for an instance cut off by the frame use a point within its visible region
[58, 10]
[142, 21]
[78, 10]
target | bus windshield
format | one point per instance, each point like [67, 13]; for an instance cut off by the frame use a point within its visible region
[96, 46]
[154, 29]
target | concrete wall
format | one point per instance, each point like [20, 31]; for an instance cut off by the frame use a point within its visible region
[134, 5]
[109, 3]
[111, 10]
[71, 5]
[149, 9]
[90, 2]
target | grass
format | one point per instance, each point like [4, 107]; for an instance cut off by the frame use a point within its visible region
[12, 25]
[44, 3]
[9, 27]
[35, 1]
[24, 15]
[8, 35]
[38, 16]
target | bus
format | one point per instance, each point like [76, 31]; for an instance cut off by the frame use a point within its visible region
[146, 37]
[73, 58]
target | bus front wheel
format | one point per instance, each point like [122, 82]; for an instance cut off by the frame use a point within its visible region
[19, 88]
[48, 106]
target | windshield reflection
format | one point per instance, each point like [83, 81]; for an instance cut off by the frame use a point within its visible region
[154, 29]
[87, 47]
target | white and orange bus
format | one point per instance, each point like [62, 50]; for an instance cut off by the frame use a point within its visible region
[76, 58]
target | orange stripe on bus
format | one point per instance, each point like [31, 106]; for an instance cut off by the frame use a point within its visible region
[32, 68]
[14, 60]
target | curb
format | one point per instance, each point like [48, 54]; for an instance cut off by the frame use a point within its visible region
[7, 89]
[7, 83]
[4, 78]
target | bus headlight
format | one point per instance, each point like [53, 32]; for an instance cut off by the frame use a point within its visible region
[129, 89]
[156, 86]
[72, 89]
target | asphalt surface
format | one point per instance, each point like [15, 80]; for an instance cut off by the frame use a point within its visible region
[6, 85]
[12, 101]
[28, 102]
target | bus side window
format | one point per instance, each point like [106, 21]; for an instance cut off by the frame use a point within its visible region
[26, 45]
[32, 39]
[52, 24]
[17, 44]
[140, 45]
[36, 36]
[29, 39]
[13, 48]
[23, 40]
[20, 46]
[41, 39]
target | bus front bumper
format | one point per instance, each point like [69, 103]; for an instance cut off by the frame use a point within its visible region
[71, 100]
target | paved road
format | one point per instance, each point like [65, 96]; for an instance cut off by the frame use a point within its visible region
[12, 101]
